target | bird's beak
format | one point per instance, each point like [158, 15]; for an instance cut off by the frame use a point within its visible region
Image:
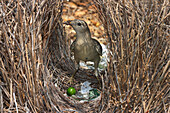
[67, 22]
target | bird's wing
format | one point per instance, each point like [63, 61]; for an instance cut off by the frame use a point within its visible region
[98, 47]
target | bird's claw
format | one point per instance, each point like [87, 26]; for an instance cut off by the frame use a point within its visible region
[70, 81]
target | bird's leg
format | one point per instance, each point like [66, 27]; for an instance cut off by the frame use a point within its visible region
[76, 70]
[96, 74]
[96, 64]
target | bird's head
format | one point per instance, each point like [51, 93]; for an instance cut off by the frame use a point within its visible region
[78, 25]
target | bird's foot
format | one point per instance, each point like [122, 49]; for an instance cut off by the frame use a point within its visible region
[70, 81]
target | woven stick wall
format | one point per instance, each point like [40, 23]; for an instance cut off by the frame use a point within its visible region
[138, 34]
[32, 48]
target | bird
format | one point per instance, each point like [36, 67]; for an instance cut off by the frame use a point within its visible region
[84, 47]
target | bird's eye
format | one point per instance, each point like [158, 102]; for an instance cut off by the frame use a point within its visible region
[79, 24]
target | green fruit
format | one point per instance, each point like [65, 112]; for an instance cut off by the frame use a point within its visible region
[71, 91]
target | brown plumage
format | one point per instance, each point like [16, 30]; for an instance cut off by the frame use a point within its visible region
[84, 47]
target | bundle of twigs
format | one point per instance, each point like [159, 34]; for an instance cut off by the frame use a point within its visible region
[138, 34]
[32, 46]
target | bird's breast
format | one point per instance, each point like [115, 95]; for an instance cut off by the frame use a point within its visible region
[85, 51]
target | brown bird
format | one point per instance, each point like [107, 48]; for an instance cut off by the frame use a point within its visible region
[84, 47]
